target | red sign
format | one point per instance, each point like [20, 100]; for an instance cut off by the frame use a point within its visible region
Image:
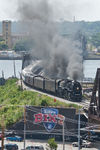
[48, 118]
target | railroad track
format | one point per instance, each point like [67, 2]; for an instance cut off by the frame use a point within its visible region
[83, 103]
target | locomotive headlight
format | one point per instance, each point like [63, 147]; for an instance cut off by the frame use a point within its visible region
[77, 88]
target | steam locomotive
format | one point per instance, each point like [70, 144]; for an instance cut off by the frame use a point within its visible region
[65, 88]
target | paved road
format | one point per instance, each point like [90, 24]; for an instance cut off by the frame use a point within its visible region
[68, 146]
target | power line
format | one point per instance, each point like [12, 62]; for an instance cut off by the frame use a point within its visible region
[37, 110]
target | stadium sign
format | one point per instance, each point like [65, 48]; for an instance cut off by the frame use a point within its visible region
[49, 117]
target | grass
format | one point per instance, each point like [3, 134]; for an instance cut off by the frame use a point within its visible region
[12, 99]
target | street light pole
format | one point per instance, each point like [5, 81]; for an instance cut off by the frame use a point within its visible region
[63, 135]
[79, 130]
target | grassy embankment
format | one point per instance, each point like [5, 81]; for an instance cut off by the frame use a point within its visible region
[12, 98]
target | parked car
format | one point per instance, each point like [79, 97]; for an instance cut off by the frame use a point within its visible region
[0, 136]
[35, 148]
[14, 138]
[92, 138]
[75, 144]
[86, 144]
[11, 146]
[83, 144]
[1, 148]
[71, 139]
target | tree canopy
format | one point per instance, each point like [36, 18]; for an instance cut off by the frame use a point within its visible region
[95, 39]
[3, 45]
[52, 144]
[24, 45]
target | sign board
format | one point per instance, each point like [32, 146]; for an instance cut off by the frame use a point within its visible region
[49, 117]
[42, 121]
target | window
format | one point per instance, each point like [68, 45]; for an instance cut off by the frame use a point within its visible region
[6, 26]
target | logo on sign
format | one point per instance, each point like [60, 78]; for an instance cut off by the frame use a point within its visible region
[49, 117]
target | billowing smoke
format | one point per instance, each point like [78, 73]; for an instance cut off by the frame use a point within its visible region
[60, 57]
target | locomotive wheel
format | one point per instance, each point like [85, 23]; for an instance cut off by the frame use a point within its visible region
[69, 96]
[65, 94]
[59, 93]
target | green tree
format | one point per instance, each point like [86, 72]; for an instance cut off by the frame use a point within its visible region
[3, 46]
[24, 45]
[1, 39]
[52, 144]
[95, 39]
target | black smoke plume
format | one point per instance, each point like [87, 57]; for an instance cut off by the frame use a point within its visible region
[60, 57]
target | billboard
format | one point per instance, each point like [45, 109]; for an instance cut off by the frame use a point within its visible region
[49, 117]
[46, 120]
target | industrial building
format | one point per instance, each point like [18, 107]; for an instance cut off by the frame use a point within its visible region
[9, 38]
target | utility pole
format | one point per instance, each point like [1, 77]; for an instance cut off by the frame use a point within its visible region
[21, 81]
[2, 74]
[63, 134]
[79, 130]
[24, 126]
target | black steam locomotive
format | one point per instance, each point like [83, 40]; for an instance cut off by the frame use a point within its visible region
[65, 88]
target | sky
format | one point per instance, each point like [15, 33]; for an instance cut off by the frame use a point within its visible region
[87, 10]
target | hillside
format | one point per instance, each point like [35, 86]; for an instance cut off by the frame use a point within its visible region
[64, 27]
[12, 100]
[88, 28]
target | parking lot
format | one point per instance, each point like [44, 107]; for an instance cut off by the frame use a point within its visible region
[68, 146]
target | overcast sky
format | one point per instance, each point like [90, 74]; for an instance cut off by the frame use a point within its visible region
[88, 10]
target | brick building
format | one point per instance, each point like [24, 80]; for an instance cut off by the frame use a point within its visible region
[9, 38]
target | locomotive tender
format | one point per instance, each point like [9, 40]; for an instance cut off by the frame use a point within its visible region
[65, 88]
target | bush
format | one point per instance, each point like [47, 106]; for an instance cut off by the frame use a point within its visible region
[52, 144]
[44, 103]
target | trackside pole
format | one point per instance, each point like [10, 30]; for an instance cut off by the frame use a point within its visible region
[14, 68]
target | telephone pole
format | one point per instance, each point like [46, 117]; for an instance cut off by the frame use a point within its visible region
[21, 81]
[14, 67]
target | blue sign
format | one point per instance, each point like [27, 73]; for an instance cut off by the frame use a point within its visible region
[51, 123]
